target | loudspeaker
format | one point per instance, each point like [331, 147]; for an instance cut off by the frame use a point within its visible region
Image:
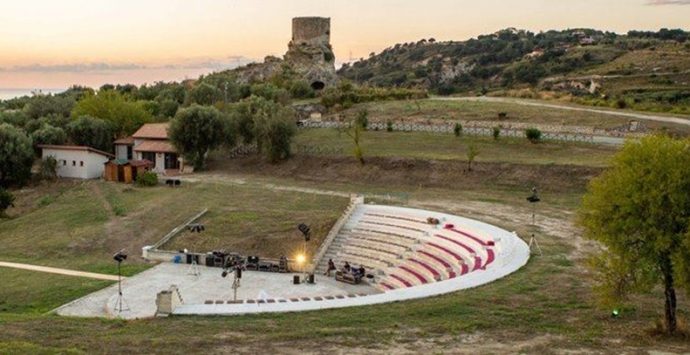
[295, 280]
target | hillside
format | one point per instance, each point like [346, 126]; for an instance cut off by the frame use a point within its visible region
[639, 67]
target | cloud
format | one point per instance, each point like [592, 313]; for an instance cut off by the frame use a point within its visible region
[211, 64]
[668, 2]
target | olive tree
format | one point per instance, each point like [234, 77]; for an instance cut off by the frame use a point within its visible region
[16, 156]
[48, 134]
[195, 131]
[267, 123]
[639, 210]
[91, 132]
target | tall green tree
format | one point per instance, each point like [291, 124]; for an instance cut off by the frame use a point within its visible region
[639, 210]
[205, 94]
[48, 134]
[92, 132]
[16, 156]
[44, 105]
[267, 123]
[124, 115]
[195, 131]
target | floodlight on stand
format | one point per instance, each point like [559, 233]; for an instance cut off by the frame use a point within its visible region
[533, 199]
[120, 304]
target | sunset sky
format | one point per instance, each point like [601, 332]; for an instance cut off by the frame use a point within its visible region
[53, 44]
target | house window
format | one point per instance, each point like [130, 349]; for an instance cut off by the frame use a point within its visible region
[74, 163]
[81, 163]
[150, 156]
[64, 163]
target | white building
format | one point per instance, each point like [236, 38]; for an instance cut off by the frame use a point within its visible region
[78, 162]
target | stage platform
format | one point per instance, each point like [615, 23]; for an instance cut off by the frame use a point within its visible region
[257, 287]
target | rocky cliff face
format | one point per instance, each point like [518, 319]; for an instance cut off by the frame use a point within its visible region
[309, 57]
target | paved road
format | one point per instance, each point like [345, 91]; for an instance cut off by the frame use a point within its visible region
[639, 116]
[53, 270]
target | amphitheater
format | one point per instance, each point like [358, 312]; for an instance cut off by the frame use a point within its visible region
[410, 254]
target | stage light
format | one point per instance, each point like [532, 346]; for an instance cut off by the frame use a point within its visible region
[120, 256]
[306, 231]
[301, 259]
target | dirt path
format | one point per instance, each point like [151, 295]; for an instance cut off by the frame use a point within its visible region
[52, 270]
[640, 116]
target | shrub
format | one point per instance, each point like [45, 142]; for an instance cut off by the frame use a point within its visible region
[147, 179]
[496, 132]
[502, 115]
[472, 152]
[362, 119]
[48, 168]
[6, 201]
[389, 126]
[457, 130]
[533, 134]
[621, 103]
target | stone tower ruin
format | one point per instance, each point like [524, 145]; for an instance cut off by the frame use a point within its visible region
[315, 31]
[310, 52]
[309, 57]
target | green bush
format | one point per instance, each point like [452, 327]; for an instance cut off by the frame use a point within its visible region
[389, 126]
[457, 130]
[362, 119]
[48, 168]
[533, 134]
[496, 132]
[6, 201]
[147, 179]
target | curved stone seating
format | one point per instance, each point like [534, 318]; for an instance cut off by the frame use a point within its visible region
[406, 250]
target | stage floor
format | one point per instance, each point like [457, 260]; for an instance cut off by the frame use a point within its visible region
[140, 290]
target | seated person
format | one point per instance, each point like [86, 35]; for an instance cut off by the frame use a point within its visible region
[359, 272]
[346, 267]
[331, 267]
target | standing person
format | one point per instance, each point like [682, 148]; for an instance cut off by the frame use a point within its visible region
[331, 267]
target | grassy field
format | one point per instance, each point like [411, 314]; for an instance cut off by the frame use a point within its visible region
[551, 294]
[423, 145]
[83, 225]
[423, 110]
[548, 306]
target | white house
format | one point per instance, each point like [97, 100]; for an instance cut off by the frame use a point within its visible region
[78, 162]
[151, 143]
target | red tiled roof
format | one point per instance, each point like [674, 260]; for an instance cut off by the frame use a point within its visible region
[155, 146]
[153, 131]
[75, 147]
[125, 141]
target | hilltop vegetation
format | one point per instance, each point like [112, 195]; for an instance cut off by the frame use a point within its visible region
[586, 64]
